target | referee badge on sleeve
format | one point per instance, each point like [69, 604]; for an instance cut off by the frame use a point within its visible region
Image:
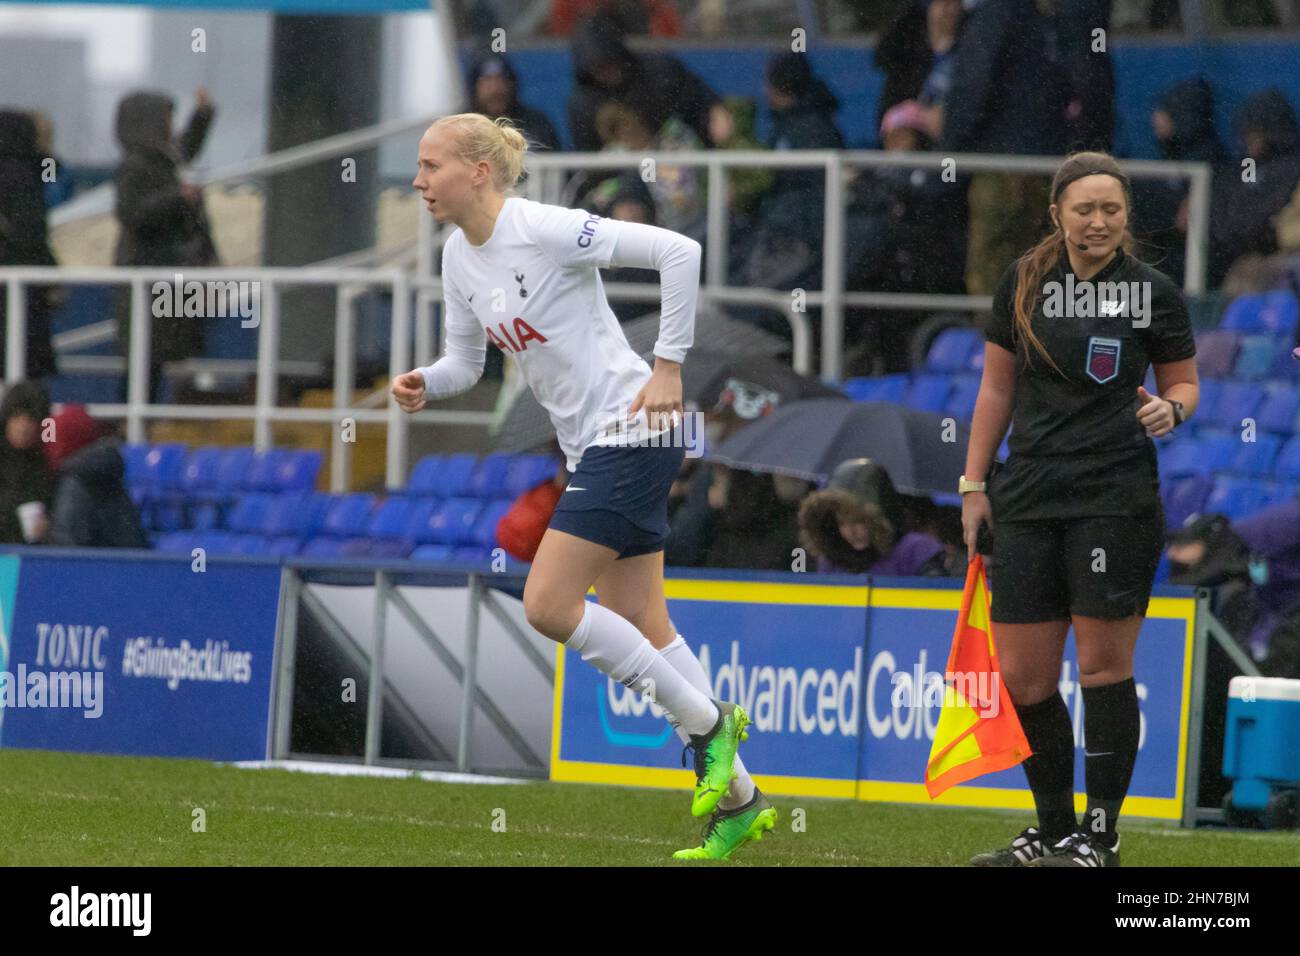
[1103, 359]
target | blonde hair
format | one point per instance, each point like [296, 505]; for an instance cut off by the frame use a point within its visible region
[498, 141]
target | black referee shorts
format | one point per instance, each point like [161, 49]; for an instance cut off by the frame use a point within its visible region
[1049, 570]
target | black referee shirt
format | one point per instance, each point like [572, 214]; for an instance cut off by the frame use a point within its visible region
[1077, 448]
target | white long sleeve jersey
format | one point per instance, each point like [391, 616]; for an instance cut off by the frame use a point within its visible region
[534, 289]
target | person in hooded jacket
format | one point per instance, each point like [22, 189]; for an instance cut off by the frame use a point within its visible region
[24, 240]
[494, 85]
[915, 53]
[857, 524]
[1243, 206]
[656, 84]
[786, 251]
[1006, 96]
[24, 474]
[1183, 125]
[162, 221]
[92, 508]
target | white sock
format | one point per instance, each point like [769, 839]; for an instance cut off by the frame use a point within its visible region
[617, 649]
[684, 661]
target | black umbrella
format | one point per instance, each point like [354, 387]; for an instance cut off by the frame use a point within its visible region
[808, 439]
[527, 425]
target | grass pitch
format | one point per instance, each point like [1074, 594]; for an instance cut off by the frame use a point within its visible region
[75, 810]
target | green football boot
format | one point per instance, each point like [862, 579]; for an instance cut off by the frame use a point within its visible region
[729, 830]
[715, 755]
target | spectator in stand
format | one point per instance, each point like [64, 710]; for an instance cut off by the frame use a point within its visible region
[162, 220]
[1183, 125]
[1254, 567]
[915, 53]
[679, 192]
[92, 508]
[657, 85]
[906, 233]
[494, 86]
[26, 481]
[786, 250]
[23, 237]
[1245, 198]
[657, 18]
[856, 523]
[1085, 56]
[729, 518]
[1005, 97]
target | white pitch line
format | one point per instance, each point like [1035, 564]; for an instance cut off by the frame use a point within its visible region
[361, 770]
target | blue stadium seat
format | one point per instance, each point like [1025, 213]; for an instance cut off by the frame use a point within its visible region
[882, 388]
[961, 401]
[134, 456]
[231, 470]
[451, 523]
[417, 517]
[951, 349]
[928, 392]
[1256, 458]
[348, 515]
[1237, 400]
[525, 472]
[322, 548]
[432, 552]
[1287, 466]
[1285, 367]
[425, 475]
[299, 470]
[286, 515]
[1179, 458]
[283, 546]
[1218, 449]
[314, 512]
[1279, 410]
[472, 554]
[489, 477]
[163, 465]
[1275, 493]
[1236, 497]
[215, 541]
[1216, 353]
[389, 519]
[200, 473]
[390, 548]
[248, 515]
[484, 533]
[1184, 497]
[1209, 399]
[1256, 358]
[452, 480]
[173, 542]
[263, 470]
[1270, 312]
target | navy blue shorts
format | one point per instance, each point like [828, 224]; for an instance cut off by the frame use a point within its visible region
[618, 496]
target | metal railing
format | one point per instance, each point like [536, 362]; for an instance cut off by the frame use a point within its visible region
[548, 172]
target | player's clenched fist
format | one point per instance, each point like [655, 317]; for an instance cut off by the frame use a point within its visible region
[408, 389]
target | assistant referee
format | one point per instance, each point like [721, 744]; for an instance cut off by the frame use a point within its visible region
[1075, 513]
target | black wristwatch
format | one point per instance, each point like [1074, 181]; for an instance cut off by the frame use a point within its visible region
[1180, 416]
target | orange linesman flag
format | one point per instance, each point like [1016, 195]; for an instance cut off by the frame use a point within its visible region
[978, 730]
